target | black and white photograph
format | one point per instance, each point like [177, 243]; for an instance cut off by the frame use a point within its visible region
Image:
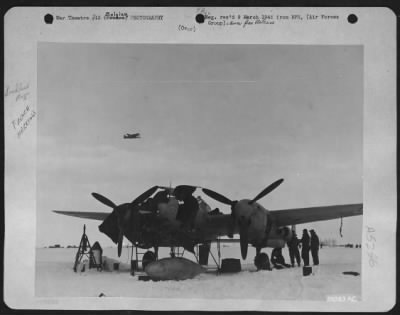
[200, 159]
[224, 170]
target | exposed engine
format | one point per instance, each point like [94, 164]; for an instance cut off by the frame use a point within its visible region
[286, 233]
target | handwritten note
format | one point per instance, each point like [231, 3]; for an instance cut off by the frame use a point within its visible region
[19, 91]
[22, 122]
[370, 245]
[17, 96]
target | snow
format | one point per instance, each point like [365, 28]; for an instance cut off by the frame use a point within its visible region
[55, 278]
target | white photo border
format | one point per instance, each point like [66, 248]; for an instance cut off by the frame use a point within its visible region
[375, 30]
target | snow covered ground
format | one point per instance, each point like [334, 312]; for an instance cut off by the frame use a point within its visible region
[55, 278]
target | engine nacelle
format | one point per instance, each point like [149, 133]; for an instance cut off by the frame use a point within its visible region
[276, 243]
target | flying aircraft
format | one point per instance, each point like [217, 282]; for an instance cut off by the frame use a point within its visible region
[132, 136]
[174, 218]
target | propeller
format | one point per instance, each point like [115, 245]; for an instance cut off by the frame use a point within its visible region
[145, 195]
[267, 190]
[244, 239]
[104, 200]
[221, 198]
[243, 221]
[120, 240]
[112, 226]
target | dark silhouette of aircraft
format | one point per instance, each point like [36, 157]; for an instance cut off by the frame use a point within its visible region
[162, 220]
[132, 136]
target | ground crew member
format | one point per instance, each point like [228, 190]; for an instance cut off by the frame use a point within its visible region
[277, 259]
[314, 247]
[293, 246]
[187, 211]
[305, 248]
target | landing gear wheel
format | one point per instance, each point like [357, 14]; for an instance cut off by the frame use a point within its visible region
[148, 257]
[261, 261]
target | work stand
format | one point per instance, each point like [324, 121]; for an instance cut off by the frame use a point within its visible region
[83, 250]
[206, 248]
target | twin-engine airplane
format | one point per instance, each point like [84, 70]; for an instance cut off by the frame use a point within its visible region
[132, 136]
[174, 218]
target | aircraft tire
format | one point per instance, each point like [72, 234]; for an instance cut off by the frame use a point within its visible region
[148, 257]
[261, 261]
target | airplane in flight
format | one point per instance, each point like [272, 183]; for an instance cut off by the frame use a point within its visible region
[174, 218]
[132, 135]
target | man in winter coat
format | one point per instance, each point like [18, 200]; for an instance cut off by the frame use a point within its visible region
[305, 248]
[314, 247]
[277, 259]
[293, 246]
[187, 211]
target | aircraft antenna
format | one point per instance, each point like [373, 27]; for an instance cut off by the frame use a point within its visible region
[341, 225]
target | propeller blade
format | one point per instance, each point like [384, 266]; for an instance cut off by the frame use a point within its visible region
[104, 200]
[244, 241]
[120, 239]
[267, 190]
[110, 227]
[214, 195]
[145, 195]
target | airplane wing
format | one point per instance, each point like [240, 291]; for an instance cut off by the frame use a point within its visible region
[87, 215]
[305, 215]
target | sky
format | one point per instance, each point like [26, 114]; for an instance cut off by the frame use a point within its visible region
[231, 118]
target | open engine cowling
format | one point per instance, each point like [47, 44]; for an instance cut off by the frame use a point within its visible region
[286, 233]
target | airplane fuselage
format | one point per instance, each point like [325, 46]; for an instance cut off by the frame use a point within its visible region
[132, 136]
